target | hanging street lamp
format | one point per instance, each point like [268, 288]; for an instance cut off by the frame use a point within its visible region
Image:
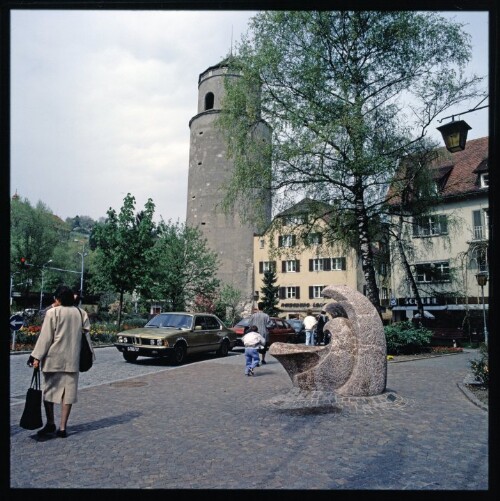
[455, 135]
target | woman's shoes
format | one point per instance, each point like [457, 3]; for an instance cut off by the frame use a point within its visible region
[61, 433]
[48, 428]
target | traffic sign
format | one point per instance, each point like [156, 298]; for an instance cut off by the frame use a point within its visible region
[16, 322]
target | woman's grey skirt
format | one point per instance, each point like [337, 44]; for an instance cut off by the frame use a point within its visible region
[59, 384]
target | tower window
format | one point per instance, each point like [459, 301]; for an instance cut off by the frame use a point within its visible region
[209, 101]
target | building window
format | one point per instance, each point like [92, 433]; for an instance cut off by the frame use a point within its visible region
[294, 220]
[427, 226]
[286, 241]
[480, 220]
[327, 264]
[290, 266]
[314, 239]
[315, 291]
[267, 266]
[261, 243]
[484, 181]
[433, 272]
[291, 292]
[209, 101]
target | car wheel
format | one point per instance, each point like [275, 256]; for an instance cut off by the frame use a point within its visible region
[179, 354]
[130, 357]
[223, 350]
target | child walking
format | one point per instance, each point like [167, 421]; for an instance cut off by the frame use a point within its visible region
[252, 340]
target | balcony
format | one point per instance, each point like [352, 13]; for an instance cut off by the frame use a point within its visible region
[480, 233]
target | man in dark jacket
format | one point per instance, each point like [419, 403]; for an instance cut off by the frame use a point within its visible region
[322, 319]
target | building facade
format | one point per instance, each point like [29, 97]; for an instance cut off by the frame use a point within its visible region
[450, 246]
[305, 265]
[209, 169]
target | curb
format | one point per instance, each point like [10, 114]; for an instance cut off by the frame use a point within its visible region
[470, 396]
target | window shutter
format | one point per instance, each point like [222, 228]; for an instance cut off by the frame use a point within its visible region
[297, 292]
[443, 224]
[327, 264]
[310, 265]
[311, 292]
[293, 240]
[320, 238]
[282, 292]
[297, 265]
[273, 265]
[415, 227]
[261, 267]
[343, 263]
[283, 266]
[280, 241]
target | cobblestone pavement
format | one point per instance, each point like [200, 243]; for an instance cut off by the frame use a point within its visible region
[207, 426]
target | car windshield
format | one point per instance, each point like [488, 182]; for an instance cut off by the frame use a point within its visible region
[171, 320]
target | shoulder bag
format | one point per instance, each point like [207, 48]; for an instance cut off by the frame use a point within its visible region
[32, 413]
[86, 354]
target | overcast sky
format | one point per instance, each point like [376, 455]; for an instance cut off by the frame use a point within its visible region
[101, 103]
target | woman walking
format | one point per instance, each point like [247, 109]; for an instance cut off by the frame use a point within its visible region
[57, 353]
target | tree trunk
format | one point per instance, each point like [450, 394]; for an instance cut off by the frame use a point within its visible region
[120, 310]
[366, 253]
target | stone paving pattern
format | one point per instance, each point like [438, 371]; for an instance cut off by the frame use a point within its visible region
[207, 426]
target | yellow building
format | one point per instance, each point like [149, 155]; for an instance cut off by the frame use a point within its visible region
[294, 246]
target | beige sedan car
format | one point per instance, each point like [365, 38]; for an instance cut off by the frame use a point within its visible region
[176, 335]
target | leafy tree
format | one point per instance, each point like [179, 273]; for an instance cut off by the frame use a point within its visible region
[270, 291]
[37, 236]
[123, 247]
[348, 95]
[227, 304]
[184, 267]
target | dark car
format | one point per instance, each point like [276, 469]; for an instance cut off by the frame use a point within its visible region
[300, 330]
[279, 330]
[176, 335]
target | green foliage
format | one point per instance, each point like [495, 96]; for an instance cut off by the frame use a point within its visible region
[480, 366]
[270, 291]
[184, 267]
[226, 305]
[405, 338]
[123, 247]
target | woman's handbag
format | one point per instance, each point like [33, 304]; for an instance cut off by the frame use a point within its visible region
[86, 354]
[32, 414]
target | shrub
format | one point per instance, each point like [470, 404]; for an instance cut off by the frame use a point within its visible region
[479, 366]
[405, 338]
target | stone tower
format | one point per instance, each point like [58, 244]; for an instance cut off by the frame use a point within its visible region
[209, 168]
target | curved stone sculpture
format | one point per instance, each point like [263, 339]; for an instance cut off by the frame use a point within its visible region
[354, 363]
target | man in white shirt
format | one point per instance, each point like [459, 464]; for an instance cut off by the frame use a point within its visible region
[309, 323]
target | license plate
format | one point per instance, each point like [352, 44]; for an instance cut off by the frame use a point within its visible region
[132, 348]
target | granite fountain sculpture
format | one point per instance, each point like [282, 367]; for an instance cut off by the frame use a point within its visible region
[354, 363]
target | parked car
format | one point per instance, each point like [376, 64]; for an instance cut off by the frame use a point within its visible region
[300, 330]
[279, 330]
[176, 335]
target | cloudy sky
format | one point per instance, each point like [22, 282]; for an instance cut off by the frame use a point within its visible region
[101, 102]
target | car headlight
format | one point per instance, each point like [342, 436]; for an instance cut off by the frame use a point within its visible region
[122, 339]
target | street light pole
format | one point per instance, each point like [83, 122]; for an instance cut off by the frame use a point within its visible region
[482, 279]
[82, 255]
[41, 287]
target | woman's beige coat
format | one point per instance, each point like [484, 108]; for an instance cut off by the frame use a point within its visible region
[58, 345]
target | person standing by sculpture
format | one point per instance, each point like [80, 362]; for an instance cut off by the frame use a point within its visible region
[261, 320]
[322, 319]
[309, 323]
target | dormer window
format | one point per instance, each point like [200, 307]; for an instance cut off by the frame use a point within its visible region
[484, 180]
[209, 101]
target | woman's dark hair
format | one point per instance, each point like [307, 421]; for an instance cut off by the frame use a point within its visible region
[65, 295]
[253, 328]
